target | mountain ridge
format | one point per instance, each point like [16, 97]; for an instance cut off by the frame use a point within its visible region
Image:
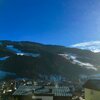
[37, 59]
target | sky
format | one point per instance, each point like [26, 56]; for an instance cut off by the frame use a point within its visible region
[60, 22]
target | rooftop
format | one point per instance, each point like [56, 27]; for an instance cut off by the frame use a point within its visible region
[56, 91]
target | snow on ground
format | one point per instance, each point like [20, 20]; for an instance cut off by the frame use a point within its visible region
[4, 58]
[75, 61]
[29, 54]
[19, 52]
[11, 47]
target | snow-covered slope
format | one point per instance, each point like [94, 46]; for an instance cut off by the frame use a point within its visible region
[93, 46]
[11, 47]
[3, 58]
[19, 52]
[74, 60]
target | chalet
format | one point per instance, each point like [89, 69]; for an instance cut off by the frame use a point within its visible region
[92, 89]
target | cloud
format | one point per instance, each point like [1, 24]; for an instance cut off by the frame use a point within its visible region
[93, 46]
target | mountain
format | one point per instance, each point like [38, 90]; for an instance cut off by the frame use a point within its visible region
[35, 60]
[93, 46]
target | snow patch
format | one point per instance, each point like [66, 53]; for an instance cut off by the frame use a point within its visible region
[11, 47]
[29, 54]
[19, 52]
[4, 58]
[75, 61]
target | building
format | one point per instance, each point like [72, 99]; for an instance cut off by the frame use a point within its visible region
[92, 89]
[41, 93]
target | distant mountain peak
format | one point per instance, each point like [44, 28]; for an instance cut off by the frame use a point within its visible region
[93, 46]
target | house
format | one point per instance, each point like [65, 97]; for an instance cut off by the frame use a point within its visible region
[41, 93]
[92, 89]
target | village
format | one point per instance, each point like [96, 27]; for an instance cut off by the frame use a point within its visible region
[25, 89]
